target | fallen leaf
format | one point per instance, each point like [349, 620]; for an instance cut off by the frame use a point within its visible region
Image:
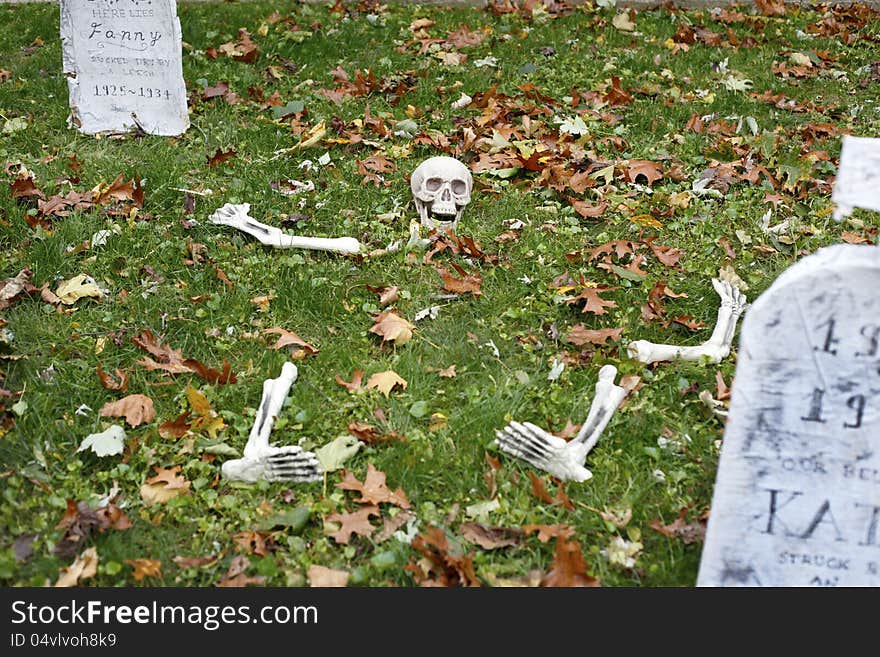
[145, 568]
[321, 576]
[392, 327]
[373, 489]
[546, 532]
[468, 283]
[384, 382]
[353, 523]
[165, 485]
[235, 577]
[172, 361]
[623, 22]
[447, 373]
[258, 543]
[332, 455]
[540, 491]
[136, 409]
[579, 335]
[84, 567]
[78, 287]
[568, 568]
[106, 443]
[194, 562]
[688, 533]
[356, 383]
[292, 340]
[444, 565]
[392, 524]
[176, 428]
[593, 302]
[490, 538]
[119, 384]
[651, 171]
[220, 156]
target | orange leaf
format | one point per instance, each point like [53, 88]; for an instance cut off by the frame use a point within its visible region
[546, 532]
[112, 384]
[568, 568]
[145, 568]
[385, 382]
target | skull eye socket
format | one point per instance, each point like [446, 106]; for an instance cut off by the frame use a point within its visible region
[433, 184]
[459, 187]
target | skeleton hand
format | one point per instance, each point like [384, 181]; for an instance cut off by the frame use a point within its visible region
[549, 453]
[289, 463]
[264, 461]
[716, 348]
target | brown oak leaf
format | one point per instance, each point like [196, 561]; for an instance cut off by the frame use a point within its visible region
[579, 335]
[568, 568]
[443, 565]
[373, 488]
[468, 283]
[353, 523]
[290, 339]
[490, 538]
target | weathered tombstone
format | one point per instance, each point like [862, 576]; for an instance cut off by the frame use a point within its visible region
[858, 176]
[123, 63]
[797, 495]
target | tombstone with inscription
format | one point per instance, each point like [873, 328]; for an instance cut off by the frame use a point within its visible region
[123, 63]
[797, 495]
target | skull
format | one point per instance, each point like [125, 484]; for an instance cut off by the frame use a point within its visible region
[441, 188]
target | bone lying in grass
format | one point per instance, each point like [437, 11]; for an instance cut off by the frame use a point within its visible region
[715, 349]
[264, 461]
[549, 453]
[237, 216]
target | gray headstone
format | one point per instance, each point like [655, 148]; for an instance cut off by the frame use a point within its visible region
[123, 63]
[797, 495]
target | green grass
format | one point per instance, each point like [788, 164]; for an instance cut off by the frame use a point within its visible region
[325, 299]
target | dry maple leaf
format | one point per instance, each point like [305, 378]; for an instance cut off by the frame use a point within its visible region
[136, 409]
[387, 295]
[321, 576]
[579, 335]
[353, 523]
[145, 568]
[588, 211]
[291, 339]
[569, 568]
[373, 489]
[384, 382]
[392, 327]
[172, 361]
[164, 485]
[490, 538]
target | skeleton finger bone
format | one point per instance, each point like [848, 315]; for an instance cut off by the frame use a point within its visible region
[715, 349]
[264, 461]
[236, 216]
[564, 460]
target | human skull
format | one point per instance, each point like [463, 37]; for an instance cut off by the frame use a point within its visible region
[441, 188]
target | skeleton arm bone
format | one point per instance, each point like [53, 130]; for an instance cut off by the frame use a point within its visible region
[236, 216]
[264, 461]
[552, 454]
[716, 348]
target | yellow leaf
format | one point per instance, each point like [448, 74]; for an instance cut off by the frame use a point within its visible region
[438, 422]
[85, 566]
[198, 401]
[158, 493]
[646, 220]
[384, 382]
[313, 136]
[76, 288]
